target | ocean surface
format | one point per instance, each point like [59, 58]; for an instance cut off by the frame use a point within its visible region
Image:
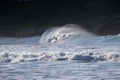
[60, 55]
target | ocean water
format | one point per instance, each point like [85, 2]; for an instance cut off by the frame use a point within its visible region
[60, 70]
[60, 55]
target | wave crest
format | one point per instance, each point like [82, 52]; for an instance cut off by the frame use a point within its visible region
[56, 34]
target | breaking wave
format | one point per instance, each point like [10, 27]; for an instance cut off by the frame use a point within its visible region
[56, 34]
[67, 43]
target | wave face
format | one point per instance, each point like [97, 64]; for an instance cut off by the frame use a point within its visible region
[108, 40]
[56, 34]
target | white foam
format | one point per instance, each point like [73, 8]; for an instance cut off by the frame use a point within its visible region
[56, 34]
[23, 53]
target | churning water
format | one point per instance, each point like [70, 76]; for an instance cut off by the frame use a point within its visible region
[64, 53]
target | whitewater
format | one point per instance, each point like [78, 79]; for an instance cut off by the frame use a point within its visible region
[61, 53]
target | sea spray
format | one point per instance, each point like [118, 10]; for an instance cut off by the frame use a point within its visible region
[56, 34]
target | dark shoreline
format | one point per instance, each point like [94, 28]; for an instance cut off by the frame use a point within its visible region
[22, 19]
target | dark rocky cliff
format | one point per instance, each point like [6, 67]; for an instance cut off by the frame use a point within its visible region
[33, 17]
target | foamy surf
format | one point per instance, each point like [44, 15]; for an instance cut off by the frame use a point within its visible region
[65, 43]
[25, 53]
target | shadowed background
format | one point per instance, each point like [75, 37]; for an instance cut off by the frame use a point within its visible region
[22, 18]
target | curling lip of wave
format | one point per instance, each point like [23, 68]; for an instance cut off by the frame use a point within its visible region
[56, 34]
